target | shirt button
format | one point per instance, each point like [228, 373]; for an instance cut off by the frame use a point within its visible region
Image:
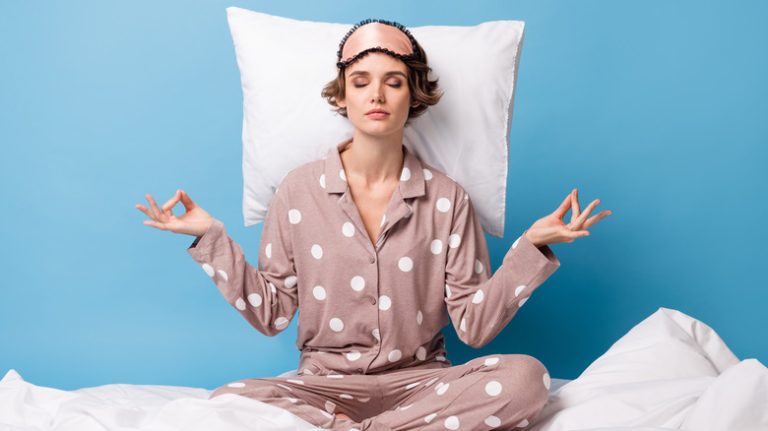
[371, 259]
[372, 300]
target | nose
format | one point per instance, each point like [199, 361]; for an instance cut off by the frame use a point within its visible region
[378, 92]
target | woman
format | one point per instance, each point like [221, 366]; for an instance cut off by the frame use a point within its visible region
[381, 250]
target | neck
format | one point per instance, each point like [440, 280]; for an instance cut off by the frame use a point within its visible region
[373, 159]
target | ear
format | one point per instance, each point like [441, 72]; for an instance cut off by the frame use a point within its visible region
[340, 103]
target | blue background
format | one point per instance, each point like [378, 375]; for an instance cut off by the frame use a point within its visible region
[656, 107]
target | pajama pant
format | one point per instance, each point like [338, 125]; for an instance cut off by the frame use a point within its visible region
[502, 391]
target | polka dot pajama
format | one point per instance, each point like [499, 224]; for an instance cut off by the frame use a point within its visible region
[372, 311]
[490, 392]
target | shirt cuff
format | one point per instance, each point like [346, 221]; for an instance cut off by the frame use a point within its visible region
[532, 265]
[203, 246]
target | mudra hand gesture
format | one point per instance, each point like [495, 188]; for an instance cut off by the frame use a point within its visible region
[195, 221]
[552, 230]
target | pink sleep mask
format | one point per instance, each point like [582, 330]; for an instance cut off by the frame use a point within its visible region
[376, 35]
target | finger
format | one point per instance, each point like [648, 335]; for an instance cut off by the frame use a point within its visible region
[143, 209]
[575, 204]
[170, 203]
[187, 201]
[563, 208]
[153, 223]
[585, 214]
[156, 210]
[153, 211]
[596, 218]
[573, 234]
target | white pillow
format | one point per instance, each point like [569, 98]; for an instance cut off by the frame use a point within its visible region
[285, 63]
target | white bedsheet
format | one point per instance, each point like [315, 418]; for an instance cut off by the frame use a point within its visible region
[669, 372]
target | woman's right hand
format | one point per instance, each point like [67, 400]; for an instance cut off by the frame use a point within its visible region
[195, 221]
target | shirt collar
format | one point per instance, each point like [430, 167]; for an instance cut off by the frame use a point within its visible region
[412, 182]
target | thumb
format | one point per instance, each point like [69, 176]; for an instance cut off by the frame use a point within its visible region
[187, 201]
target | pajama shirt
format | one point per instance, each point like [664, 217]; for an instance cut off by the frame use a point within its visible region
[371, 312]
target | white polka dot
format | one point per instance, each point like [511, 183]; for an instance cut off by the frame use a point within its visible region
[491, 361]
[223, 275]
[405, 175]
[419, 317]
[285, 387]
[443, 205]
[336, 324]
[363, 400]
[451, 422]
[297, 381]
[317, 251]
[441, 388]
[522, 424]
[519, 289]
[384, 302]
[280, 322]
[334, 376]
[240, 304]
[395, 355]
[463, 325]
[547, 380]
[447, 291]
[208, 269]
[294, 216]
[254, 299]
[428, 418]
[405, 264]
[346, 396]
[493, 388]
[436, 246]
[427, 174]
[293, 400]
[322, 180]
[478, 266]
[290, 281]
[348, 229]
[412, 385]
[376, 334]
[522, 301]
[405, 407]
[308, 371]
[353, 355]
[342, 174]
[357, 283]
[326, 414]
[236, 385]
[272, 287]
[431, 381]
[454, 240]
[268, 250]
[330, 406]
[421, 353]
[478, 296]
[319, 292]
[493, 421]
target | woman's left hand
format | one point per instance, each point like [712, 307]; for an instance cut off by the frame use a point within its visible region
[552, 230]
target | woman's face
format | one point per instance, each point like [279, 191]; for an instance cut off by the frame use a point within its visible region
[377, 81]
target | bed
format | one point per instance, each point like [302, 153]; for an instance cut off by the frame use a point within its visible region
[670, 371]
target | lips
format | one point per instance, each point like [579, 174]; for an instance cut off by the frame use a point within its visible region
[376, 111]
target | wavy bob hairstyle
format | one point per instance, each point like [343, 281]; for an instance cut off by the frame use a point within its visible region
[424, 92]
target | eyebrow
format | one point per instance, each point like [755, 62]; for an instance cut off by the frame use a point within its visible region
[392, 72]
